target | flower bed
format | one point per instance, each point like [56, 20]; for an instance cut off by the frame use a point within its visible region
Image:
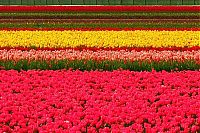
[97, 8]
[71, 54]
[119, 101]
[94, 49]
[61, 39]
[99, 29]
[141, 77]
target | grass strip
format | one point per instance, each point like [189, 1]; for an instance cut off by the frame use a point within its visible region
[97, 14]
[105, 65]
[99, 25]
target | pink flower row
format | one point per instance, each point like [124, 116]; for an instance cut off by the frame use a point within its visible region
[71, 54]
[118, 101]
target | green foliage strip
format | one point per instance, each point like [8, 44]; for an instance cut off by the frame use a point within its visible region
[99, 65]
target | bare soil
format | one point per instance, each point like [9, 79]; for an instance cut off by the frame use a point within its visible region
[99, 20]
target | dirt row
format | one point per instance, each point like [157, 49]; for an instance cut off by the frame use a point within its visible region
[100, 17]
[99, 20]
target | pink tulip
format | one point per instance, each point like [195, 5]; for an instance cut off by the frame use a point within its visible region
[73, 101]
[151, 55]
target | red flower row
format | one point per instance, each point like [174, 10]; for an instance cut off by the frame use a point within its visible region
[118, 101]
[98, 8]
[100, 29]
[195, 48]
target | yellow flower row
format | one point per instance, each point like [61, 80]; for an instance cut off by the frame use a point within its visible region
[61, 39]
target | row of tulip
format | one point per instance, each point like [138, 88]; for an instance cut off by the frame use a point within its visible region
[119, 101]
[98, 8]
[137, 38]
[101, 65]
[99, 29]
[94, 49]
[151, 55]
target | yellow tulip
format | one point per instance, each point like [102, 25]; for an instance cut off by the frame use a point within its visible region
[61, 39]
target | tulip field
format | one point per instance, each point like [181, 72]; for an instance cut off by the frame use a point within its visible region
[99, 69]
